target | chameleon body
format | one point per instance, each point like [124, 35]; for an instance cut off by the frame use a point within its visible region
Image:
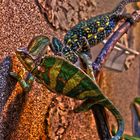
[62, 77]
[89, 33]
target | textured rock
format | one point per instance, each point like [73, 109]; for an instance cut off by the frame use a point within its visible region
[64, 14]
[7, 83]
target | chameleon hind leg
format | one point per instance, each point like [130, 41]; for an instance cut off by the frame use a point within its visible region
[25, 84]
[88, 103]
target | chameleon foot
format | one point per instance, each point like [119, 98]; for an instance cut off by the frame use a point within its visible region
[26, 85]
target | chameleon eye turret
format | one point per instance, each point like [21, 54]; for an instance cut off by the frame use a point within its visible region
[32, 55]
[38, 46]
[25, 58]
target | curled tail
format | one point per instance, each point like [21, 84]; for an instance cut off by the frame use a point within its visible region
[109, 105]
[120, 7]
[102, 100]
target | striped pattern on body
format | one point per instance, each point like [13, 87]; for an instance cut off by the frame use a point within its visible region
[62, 77]
[37, 46]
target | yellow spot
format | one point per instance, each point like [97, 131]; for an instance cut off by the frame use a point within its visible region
[75, 40]
[98, 23]
[90, 35]
[100, 29]
[69, 40]
[107, 18]
[54, 71]
[86, 94]
[87, 29]
[107, 23]
[73, 82]
[74, 36]
[95, 36]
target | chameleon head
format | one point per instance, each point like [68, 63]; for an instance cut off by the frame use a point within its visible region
[25, 58]
[31, 56]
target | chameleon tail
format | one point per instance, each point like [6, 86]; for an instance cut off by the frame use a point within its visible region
[102, 100]
[109, 105]
[120, 7]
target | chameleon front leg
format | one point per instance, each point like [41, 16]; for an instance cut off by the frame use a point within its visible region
[25, 84]
[87, 61]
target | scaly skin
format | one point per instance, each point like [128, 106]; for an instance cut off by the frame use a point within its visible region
[62, 77]
[89, 33]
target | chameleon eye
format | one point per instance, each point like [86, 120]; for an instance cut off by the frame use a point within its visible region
[28, 61]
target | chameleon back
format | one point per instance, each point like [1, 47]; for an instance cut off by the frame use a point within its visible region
[90, 32]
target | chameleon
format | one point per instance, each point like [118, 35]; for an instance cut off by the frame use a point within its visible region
[62, 77]
[88, 33]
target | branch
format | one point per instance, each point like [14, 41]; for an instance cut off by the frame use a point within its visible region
[99, 111]
[110, 44]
